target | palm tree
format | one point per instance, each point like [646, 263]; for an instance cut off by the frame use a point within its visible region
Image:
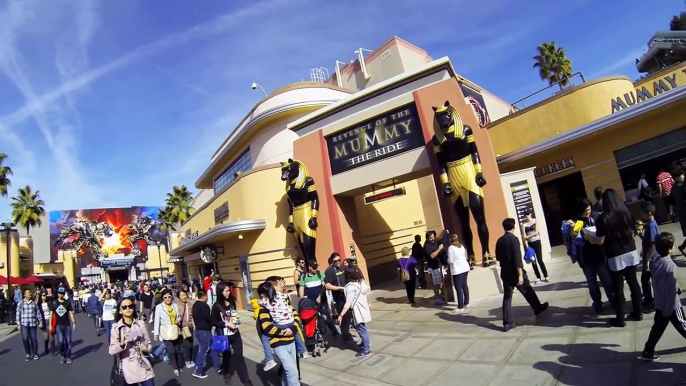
[27, 208]
[678, 23]
[179, 202]
[164, 219]
[5, 172]
[553, 65]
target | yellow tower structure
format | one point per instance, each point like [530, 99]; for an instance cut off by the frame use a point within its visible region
[10, 264]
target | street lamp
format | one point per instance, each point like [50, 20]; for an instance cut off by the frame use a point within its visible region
[256, 85]
[159, 255]
[8, 227]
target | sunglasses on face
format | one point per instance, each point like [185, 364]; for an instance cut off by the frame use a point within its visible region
[167, 297]
[127, 307]
[337, 261]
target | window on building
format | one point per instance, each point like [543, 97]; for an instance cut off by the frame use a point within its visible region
[241, 164]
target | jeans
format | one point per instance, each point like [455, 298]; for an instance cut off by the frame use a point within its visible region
[618, 277]
[661, 322]
[364, 335]
[174, 351]
[526, 291]
[266, 346]
[287, 354]
[96, 322]
[299, 341]
[593, 272]
[536, 246]
[30, 339]
[646, 287]
[64, 340]
[148, 382]
[410, 289]
[107, 325]
[204, 343]
[460, 283]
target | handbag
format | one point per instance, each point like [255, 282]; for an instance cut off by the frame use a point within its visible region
[186, 331]
[404, 272]
[529, 255]
[220, 343]
[169, 331]
[117, 373]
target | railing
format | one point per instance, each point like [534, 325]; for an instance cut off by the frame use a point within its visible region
[541, 97]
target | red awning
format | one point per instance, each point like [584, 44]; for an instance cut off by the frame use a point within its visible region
[33, 279]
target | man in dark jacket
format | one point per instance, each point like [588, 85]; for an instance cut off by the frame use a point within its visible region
[508, 252]
[418, 254]
[93, 307]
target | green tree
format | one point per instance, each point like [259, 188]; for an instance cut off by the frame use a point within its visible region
[553, 65]
[5, 173]
[678, 22]
[28, 208]
[164, 219]
[179, 201]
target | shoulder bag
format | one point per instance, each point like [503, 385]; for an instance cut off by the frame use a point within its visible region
[117, 373]
[220, 342]
[169, 331]
[404, 272]
[186, 331]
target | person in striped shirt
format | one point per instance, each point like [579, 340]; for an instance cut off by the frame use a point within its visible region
[664, 186]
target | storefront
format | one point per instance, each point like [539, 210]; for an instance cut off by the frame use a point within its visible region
[612, 151]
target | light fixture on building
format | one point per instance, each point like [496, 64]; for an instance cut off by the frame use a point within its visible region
[339, 79]
[240, 237]
[360, 56]
[256, 85]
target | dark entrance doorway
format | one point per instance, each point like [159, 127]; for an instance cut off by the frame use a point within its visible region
[559, 198]
[118, 274]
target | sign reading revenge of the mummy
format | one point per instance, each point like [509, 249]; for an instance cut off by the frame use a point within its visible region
[383, 136]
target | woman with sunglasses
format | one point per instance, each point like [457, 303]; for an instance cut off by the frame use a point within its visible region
[167, 321]
[131, 342]
[225, 320]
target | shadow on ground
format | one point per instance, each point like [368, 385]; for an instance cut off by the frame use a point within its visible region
[599, 365]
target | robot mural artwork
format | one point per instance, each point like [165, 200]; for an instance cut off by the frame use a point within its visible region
[141, 229]
[85, 234]
[461, 176]
[303, 203]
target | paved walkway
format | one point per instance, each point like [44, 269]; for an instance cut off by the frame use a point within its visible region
[569, 345]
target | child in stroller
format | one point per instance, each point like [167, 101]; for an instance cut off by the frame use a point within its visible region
[313, 327]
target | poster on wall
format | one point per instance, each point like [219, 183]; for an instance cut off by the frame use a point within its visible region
[117, 218]
[386, 135]
[476, 100]
[521, 194]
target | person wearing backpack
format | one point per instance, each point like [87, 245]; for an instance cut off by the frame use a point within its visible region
[408, 273]
[312, 287]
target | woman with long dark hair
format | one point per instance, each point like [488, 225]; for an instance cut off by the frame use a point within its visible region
[131, 343]
[43, 303]
[356, 290]
[615, 229]
[226, 321]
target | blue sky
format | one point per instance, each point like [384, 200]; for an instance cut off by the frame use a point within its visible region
[110, 103]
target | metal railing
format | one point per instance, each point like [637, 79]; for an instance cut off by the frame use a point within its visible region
[566, 79]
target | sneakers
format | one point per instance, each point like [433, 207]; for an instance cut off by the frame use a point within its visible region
[305, 355]
[648, 357]
[190, 365]
[459, 311]
[177, 373]
[546, 279]
[541, 310]
[68, 361]
[200, 375]
[269, 365]
[363, 354]
[28, 357]
[35, 357]
[63, 361]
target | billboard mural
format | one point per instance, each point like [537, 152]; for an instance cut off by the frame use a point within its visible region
[476, 100]
[117, 218]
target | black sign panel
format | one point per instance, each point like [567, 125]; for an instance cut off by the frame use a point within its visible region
[221, 212]
[382, 196]
[383, 136]
[522, 199]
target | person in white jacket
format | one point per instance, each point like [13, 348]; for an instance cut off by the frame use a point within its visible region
[459, 269]
[356, 291]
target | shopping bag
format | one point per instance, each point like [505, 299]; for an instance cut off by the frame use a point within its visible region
[220, 343]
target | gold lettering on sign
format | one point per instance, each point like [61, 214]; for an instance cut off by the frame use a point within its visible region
[558, 166]
[368, 136]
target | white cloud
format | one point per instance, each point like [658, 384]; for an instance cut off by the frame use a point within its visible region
[620, 64]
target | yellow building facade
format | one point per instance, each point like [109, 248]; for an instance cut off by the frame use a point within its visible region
[20, 261]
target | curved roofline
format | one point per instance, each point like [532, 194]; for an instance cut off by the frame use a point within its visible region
[278, 91]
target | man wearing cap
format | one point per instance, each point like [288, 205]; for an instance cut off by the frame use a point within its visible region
[65, 324]
[312, 287]
[334, 281]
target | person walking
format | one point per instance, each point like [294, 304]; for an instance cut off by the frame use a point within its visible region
[186, 328]
[508, 251]
[533, 239]
[203, 332]
[592, 260]
[166, 329]
[334, 281]
[29, 319]
[109, 308]
[356, 290]
[65, 324]
[666, 290]
[226, 321]
[418, 254]
[679, 195]
[459, 269]
[130, 343]
[95, 310]
[407, 266]
[281, 338]
[43, 303]
[615, 230]
[146, 303]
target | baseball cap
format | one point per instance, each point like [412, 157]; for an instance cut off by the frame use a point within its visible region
[313, 264]
[61, 290]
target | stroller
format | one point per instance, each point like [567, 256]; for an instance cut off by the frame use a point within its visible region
[313, 327]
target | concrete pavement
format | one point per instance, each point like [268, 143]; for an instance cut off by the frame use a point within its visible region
[569, 345]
